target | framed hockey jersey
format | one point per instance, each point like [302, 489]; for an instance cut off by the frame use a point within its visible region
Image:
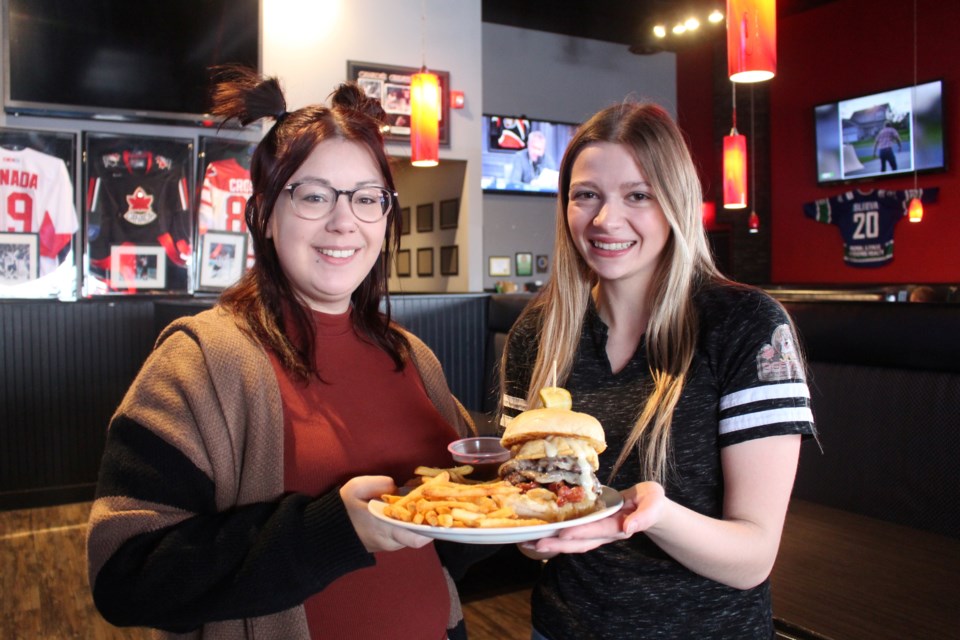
[38, 209]
[138, 223]
[224, 188]
[866, 220]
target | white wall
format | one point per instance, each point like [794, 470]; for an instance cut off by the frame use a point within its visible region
[553, 77]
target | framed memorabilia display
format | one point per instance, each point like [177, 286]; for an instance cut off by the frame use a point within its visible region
[405, 221]
[425, 217]
[38, 196]
[19, 259]
[138, 197]
[137, 267]
[449, 213]
[403, 263]
[449, 260]
[425, 262]
[499, 266]
[223, 257]
[543, 264]
[524, 264]
[391, 85]
[224, 186]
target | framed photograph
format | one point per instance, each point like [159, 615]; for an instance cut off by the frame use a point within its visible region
[391, 85]
[137, 267]
[449, 213]
[543, 264]
[425, 217]
[425, 262]
[524, 264]
[19, 258]
[223, 256]
[405, 221]
[499, 266]
[403, 263]
[449, 260]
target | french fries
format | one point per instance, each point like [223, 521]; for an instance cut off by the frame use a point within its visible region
[444, 500]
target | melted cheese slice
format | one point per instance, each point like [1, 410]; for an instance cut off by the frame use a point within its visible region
[556, 446]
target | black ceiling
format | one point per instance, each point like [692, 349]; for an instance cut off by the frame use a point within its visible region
[625, 22]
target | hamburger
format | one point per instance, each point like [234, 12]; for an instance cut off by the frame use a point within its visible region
[554, 462]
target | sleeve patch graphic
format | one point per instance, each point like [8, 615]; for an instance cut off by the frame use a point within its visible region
[779, 360]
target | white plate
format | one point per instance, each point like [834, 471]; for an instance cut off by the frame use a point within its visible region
[503, 535]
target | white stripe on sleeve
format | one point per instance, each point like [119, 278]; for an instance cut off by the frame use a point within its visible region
[765, 392]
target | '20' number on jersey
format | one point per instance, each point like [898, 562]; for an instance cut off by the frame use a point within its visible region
[867, 225]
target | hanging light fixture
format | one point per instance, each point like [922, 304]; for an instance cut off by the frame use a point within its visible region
[734, 165]
[751, 40]
[424, 109]
[753, 222]
[915, 208]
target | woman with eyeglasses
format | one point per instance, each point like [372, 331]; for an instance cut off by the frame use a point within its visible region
[232, 497]
[696, 380]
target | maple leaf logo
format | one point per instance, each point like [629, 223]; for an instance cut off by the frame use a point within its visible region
[140, 207]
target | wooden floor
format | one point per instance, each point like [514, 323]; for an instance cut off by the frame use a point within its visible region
[44, 593]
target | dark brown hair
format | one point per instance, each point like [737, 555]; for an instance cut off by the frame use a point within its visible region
[264, 295]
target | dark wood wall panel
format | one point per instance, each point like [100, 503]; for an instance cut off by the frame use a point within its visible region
[63, 370]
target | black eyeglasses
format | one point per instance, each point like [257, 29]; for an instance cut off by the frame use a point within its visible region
[313, 200]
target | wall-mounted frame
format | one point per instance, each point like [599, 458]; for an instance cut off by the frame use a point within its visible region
[391, 85]
[499, 266]
[223, 188]
[405, 221]
[543, 263]
[425, 218]
[450, 260]
[19, 259]
[403, 263]
[137, 267]
[449, 213]
[524, 264]
[425, 262]
[222, 259]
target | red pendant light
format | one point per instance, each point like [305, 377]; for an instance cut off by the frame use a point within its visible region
[734, 165]
[915, 210]
[751, 40]
[424, 119]
[753, 222]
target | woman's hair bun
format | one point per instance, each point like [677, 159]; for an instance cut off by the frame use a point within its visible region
[349, 96]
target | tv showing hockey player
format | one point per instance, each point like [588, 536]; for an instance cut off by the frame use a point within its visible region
[521, 155]
[887, 133]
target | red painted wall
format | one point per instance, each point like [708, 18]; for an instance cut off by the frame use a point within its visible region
[840, 50]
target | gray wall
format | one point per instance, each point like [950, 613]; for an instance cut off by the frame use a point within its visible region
[554, 77]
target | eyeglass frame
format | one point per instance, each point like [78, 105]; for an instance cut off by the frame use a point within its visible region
[290, 188]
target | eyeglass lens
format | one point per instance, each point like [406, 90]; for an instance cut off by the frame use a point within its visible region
[312, 200]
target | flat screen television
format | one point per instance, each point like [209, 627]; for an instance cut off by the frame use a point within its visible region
[140, 60]
[852, 134]
[522, 155]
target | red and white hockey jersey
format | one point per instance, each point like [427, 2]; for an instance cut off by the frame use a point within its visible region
[36, 196]
[223, 200]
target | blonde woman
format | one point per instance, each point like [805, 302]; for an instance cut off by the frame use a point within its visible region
[697, 383]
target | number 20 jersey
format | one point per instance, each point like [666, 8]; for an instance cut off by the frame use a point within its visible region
[866, 220]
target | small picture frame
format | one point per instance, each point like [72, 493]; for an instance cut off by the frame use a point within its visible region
[223, 257]
[450, 260]
[543, 264]
[19, 258]
[137, 267]
[524, 264]
[499, 266]
[425, 217]
[449, 213]
[425, 262]
[405, 221]
[403, 263]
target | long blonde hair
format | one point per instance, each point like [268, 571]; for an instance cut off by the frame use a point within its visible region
[658, 146]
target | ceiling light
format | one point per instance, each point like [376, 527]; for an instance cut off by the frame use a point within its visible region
[692, 24]
[660, 31]
[715, 17]
[679, 29]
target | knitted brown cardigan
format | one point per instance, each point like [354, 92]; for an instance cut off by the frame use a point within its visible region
[222, 374]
